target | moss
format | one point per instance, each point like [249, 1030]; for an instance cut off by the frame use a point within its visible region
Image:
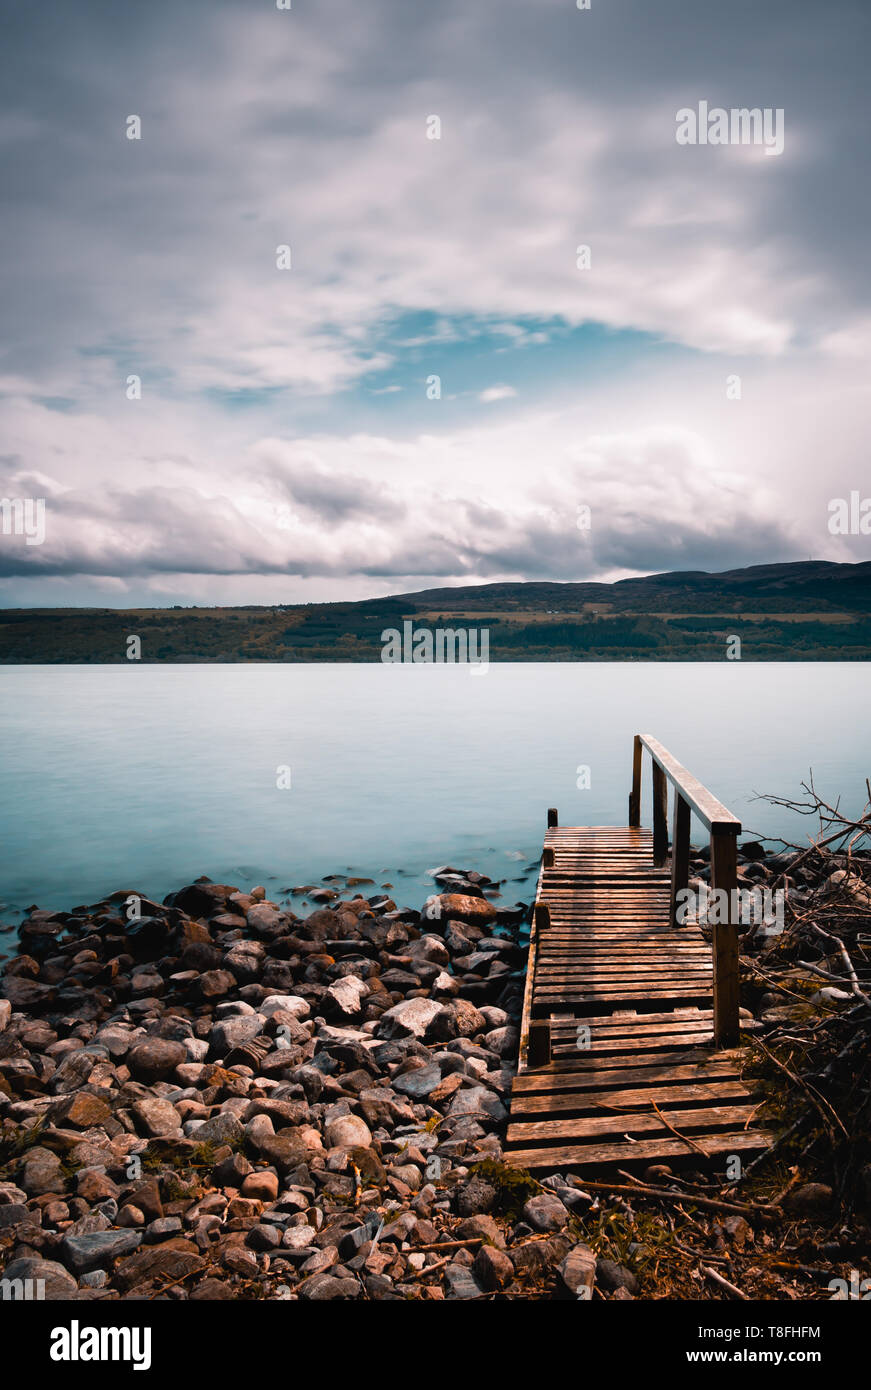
[514, 1186]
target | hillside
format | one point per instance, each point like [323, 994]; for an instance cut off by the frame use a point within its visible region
[810, 610]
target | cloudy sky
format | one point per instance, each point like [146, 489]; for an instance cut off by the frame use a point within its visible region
[287, 444]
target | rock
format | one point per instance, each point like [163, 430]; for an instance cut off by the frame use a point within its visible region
[577, 1272]
[545, 1212]
[81, 1110]
[322, 1288]
[537, 1256]
[344, 998]
[477, 1196]
[461, 1283]
[492, 1268]
[287, 1003]
[809, 1199]
[263, 1237]
[156, 1117]
[263, 1186]
[410, 1018]
[223, 1128]
[93, 1186]
[478, 1100]
[286, 1151]
[477, 911]
[155, 1058]
[58, 1282]
[613, 1276]
[420, 1083]
[172, 1260]
[42, 1173]
[348, 1131]
[233, 1032]
[98, 1249]
[5, 1014]
[481, 1225]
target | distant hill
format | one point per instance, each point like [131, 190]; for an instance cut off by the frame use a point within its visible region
[805, 611]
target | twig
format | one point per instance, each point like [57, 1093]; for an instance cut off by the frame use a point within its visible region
[724, 1284]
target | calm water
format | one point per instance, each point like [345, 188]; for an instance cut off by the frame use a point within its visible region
[145, 777]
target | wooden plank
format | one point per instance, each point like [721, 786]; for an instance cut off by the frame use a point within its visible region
[589, 1155]
[605, 1075]
[587, 1127]
[664, 1096]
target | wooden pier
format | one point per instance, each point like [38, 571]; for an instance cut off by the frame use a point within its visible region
[628, 1049]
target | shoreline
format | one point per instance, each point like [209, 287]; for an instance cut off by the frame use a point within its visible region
[221, 1099]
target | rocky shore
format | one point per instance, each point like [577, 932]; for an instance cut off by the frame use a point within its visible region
[213, 1098]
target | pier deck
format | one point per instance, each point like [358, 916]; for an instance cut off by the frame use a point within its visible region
[630, 1021]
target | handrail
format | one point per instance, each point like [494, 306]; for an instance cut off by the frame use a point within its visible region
[690, 796]
[711, 812]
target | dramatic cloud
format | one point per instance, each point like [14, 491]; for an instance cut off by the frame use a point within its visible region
[281, 431]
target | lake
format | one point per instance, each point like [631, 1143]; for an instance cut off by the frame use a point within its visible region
[145, 777]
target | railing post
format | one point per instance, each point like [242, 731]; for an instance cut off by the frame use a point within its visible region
[538, 1049]
[660, 815]
[680, 851]
[635, 794]
[547, 858]
[724, 875]
[552, 817]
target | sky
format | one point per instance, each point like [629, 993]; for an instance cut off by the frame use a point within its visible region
[433, 388]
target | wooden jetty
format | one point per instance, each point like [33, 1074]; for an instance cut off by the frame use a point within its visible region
[628, 1049]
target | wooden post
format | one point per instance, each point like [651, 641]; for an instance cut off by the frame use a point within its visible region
[538, 1051]
[635, 794]
[660, 816]
[552, 818]
[724, 874]
[680, 851]
[547, 858]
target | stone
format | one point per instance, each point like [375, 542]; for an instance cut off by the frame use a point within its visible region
[348, 1131]
[420, 1083]
[233, 1032]
[477, 1196]
[475, 911]
[410, 1018]
[325, 1287]
[42, 1173]
[809, 1199]
[93, 1185]
[223, 1128]
[82, 1111]
[172, 1260]
[483, 1226]
[477, 1101]
[613, 1276]
[262, 1185]
[461, 1283]
[344, 998]
[98, 1248]
[577, 1272]
[537, 1256]
[156, 1117]
[58, 1282]
[545, 1212]
[155, 1058]
[492, 1268]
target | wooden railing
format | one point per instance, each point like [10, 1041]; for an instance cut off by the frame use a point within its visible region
[690, 797]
